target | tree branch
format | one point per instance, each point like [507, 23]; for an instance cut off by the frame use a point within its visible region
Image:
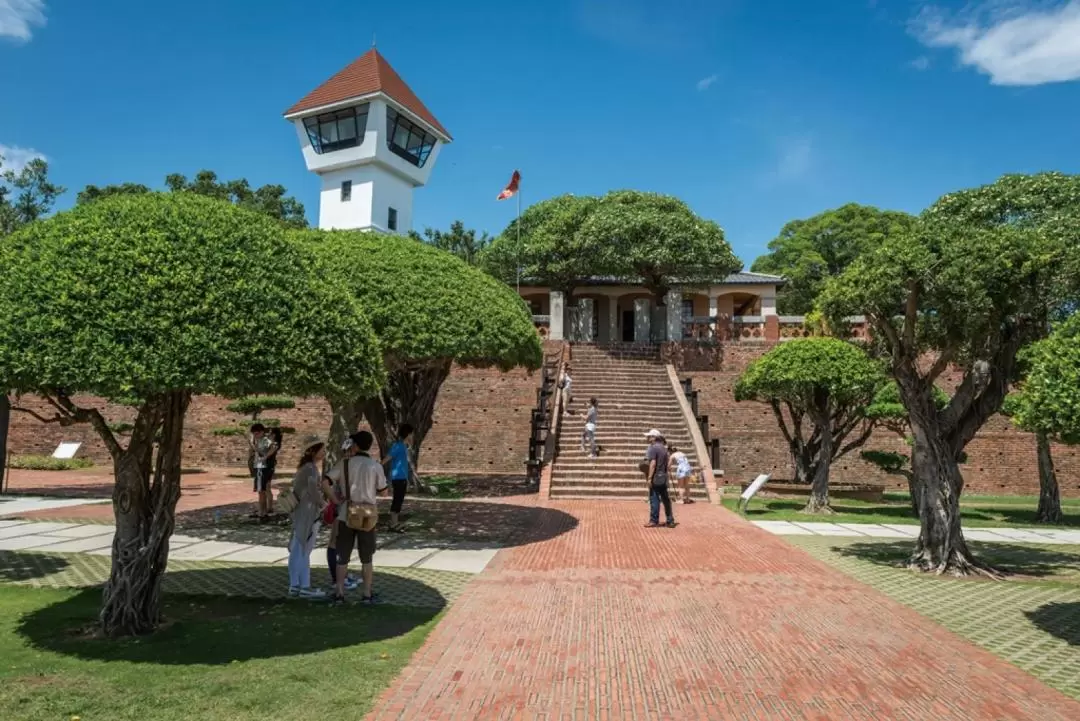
[88, 415]
[856, 442]
[775, 405]
[58, 418]
[911, 315]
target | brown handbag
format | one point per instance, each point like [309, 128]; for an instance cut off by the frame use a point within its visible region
[358, 516]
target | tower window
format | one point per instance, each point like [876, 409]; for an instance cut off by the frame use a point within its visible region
[406, 139]
[338, 130]
[391, 219]
[346, 191]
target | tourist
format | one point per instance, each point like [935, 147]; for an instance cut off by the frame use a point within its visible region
[400, 466]
[657, 480]
[276, 441]
[356, 481]
[679, 467]
[565, 386]
[305, 519]
[588, 436]
[261, 473]
[330, 519]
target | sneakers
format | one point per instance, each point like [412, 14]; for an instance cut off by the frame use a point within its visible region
[294, 591]
[351, 583]
[372, 600]
[312, 594]
[337, 600]
[671, 523]
[650, 524]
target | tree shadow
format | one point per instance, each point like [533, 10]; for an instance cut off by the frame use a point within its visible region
[1061, 620]
[429, 522]
[216, 630]
[1059, 563]
[18, 567]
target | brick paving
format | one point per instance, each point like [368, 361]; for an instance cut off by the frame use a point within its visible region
[716, 619]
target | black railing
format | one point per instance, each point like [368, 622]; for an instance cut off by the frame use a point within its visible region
[712, 444]
[542, 418]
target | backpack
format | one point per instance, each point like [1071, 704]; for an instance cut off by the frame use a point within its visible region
[358, 516]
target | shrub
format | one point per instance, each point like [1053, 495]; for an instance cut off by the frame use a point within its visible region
[257, 404]
[48, 463]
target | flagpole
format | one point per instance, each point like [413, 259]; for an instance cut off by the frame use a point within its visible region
[518, 194]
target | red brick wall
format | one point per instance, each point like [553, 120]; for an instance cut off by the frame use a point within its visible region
[1001, 459]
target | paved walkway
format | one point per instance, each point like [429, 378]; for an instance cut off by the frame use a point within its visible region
[900, 530]
[716, 619]
[96, 539]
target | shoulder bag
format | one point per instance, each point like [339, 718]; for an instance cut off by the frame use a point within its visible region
[358, 516]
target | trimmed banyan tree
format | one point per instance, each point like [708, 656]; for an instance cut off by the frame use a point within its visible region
[430, 310]
[152, 298]
[818, 389]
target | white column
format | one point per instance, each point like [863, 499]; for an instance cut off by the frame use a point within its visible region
[768, 304]
[613, 320]
[673, 303]
[581, 321]
[642, 320]
[714, 316]
[557, 313]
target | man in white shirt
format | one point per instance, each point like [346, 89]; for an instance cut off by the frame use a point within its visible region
[366, 481]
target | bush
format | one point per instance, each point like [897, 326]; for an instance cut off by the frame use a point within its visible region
[258, 404]
[241, 429]
[121, 428]
[48, 463]
[228, 430]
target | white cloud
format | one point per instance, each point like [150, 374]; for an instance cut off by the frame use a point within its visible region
[706, 83]
[920, 63]
[18, 16]
[16, 158]
[1028, 45]
[794, 158]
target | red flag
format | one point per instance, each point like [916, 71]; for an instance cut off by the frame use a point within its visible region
[512, 188]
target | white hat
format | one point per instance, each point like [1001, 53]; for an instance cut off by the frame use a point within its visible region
[346, 444]
[654, 434]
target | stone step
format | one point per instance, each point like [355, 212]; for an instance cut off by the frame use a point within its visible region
[619, 493]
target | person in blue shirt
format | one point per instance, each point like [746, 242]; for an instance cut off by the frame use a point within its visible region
[399, 465]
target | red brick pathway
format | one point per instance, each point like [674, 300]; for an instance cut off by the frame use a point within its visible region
[713, 620]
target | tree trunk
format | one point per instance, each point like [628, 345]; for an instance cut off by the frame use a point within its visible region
[819, 484]
[1049, 496]
[914, 485]
[5, 423]
[145, 516]
[346, 416]
[941, 547]
[408, 397]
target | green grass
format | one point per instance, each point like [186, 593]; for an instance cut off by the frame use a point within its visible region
[48, 463]
[975, 511]
[215, 659]
[1031, 620]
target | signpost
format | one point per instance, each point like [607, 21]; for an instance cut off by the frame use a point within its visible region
[751, 490]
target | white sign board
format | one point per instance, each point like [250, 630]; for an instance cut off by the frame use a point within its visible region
[66, 450]
[755, 487]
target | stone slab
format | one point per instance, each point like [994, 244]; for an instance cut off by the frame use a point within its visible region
[82, 545]
[256, 554]
[1019, 534]
[782, 528]
[874, 530]
[460, 561]
[33, 529]
[984, 534]
[88, 531]
[403, 557]
[828, 529]
[12, 522]
[24, 543]
[26, 504]
[907, 529]
[207, 550]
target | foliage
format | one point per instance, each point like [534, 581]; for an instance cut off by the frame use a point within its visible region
[808, 252]
[25, 195]
[427, 305]
[887, 409]
[267, 199]
[888, 461]
[552, 250]
[1048, 400]
[121, 428]
[48, 463]
[244, 427]
[460, 242]
[658, 239]
[257, 404]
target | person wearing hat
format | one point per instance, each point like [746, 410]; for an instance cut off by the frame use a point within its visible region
[356, 480]
[305, 516]
[351, 582]
[656, 477]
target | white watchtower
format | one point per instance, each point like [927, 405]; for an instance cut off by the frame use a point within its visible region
[371, 141]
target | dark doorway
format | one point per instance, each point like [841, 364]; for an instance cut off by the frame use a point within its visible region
[628, 326]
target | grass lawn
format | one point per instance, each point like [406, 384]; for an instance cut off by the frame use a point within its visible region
[216, 659]
[1031, 620]
[976, 511]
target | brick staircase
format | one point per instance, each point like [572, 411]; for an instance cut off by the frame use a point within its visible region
[634, 394]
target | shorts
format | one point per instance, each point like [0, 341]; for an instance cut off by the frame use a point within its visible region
[262, 478]
[349, 538]
[398, 488]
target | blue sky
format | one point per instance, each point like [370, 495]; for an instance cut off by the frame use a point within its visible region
[755, 112]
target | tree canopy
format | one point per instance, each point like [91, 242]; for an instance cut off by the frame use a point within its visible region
[268, 199]
[826, 383]
[552, 250]
[459, 241]
[25, 194]
[971, 287]
[1048, 399]
[810, 251]
[157, 297]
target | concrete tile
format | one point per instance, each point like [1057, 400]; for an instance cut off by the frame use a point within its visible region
[782, 528]
[207, 550]
[1019, 534]
[402, 557]
[32, 529]
[984, 534]
[1061, 536]
[827, 529]
[460, 561]
[27, 542]
[873, 530]
[82, 545]
[177, 538]
[26, 504]
[257, 554]
[905, 528]
[12, 522]
[88, 531]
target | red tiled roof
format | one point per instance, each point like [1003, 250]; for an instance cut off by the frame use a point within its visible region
[369, 73]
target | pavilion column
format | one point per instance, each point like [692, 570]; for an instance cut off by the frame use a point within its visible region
[613, 320]
[673, 304]
[557, 313]
[714, 318]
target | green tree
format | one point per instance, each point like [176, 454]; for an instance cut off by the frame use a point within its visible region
[818, 389]
[658, 240]
[973, 282]
[25, 196]
[429, 310]
[152, 298]
[459, 241]
[808, 252]
[1047, 404]
[268, 199]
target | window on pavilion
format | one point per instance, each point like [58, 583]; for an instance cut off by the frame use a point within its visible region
[407, 139]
